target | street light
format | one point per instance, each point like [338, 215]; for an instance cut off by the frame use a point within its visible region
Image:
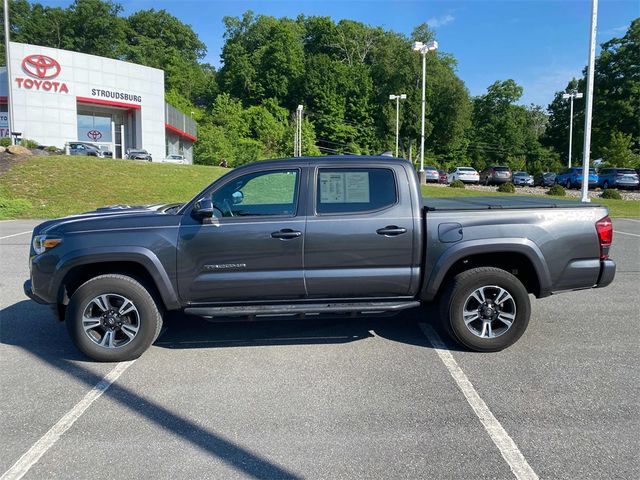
[397, 98]
[423, 48]
[571, 96]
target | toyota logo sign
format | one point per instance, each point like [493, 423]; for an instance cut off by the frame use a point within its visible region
[41, 66]
[94, 135]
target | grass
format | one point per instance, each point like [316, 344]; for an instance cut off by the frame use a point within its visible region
[49, 187]
[617, 208]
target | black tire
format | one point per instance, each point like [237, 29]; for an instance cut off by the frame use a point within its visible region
[458, 292]
[150, 318]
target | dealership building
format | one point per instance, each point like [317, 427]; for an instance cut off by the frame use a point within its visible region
[60, 96]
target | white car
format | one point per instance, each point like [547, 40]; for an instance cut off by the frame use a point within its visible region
[179, 159]
[464, 174]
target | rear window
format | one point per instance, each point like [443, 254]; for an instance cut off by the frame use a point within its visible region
[626, 171]
[354, 190]
[466, 169]
[501, 169]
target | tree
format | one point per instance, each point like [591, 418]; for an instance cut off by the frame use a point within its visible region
[619, 153]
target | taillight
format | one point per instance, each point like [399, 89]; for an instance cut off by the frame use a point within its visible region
[604, 227]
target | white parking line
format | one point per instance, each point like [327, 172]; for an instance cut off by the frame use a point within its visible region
[626, 233]
[29, 459]
[508, 449]
[635, 220]
[16, 234]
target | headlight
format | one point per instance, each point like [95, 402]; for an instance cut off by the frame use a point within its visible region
[42, 243]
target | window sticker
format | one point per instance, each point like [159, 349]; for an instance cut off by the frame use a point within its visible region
[331, 187]
[344, 187]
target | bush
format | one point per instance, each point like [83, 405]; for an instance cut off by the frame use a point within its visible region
[5, 142]
[27, 143]
[507, 187]
[52, 149]
[611, 193]
[557, 191]
[13, 208]
[457, 184]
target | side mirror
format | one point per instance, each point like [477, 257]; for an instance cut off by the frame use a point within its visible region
[237, 197]
[203, 208]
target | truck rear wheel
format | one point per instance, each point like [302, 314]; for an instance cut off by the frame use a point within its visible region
[113, 318]
[485, 309]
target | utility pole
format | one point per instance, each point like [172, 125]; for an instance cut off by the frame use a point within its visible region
[423, 49]
[295, 136]
[299, 130]
[7, 48]
[397, 98]
[571, 96]
[586, 149]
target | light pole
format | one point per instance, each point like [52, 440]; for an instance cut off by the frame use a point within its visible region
[586, 148]
[397, 98]
[10, 114]
[571, 96]
[423, 48]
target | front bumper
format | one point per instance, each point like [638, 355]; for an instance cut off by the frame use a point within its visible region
[28, 291]
[607, 273]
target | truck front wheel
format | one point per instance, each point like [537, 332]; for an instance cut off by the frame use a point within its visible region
[485, 309]
[113, 318]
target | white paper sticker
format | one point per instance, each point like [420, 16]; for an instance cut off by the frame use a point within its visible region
[344, 187]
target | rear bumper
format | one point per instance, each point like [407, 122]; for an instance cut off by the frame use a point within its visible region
[607, 273]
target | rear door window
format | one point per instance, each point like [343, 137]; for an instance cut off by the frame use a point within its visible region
[354, 190]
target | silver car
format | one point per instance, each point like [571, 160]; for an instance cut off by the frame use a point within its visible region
[522, 179]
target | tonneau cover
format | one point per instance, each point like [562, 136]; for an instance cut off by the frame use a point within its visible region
[501, 202]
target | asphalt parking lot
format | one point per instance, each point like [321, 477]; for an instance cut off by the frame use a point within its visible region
[339, 398]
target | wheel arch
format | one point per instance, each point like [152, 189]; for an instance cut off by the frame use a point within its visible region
[520, 257]
[142, 264]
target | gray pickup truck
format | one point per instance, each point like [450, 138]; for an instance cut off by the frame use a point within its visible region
[310, 236]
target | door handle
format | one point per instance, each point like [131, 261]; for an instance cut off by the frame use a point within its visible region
[286, 234]
[391, 230]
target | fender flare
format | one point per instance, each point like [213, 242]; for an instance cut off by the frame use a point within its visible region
[468, 248]
[140, 255]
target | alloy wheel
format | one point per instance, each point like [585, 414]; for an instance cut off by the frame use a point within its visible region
[489, 311]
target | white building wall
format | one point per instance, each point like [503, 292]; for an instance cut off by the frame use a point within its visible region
[50, 117]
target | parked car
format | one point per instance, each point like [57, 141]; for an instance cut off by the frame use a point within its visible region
[572, 178]
[112, 275]
[87, 149]
[431, 174]
[442, 176]
[174, 158]
[495, 175]
[464, 174]
[618, 178]
[522, 179]
[138, 154]
[545, 179]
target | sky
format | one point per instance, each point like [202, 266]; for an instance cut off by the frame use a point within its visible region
[540, 44]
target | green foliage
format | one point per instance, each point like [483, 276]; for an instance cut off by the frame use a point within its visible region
[5, 142]
[457, 184]
[619, 151]
[13, 208]
[507, 187]
[52, 149]
[28, 143]
[611, 193]
[557, 191]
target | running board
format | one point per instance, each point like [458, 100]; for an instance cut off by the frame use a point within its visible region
[298, 309]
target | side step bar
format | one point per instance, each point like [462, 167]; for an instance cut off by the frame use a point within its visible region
[297, 309]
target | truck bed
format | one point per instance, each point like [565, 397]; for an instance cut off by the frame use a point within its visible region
[500, 202]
